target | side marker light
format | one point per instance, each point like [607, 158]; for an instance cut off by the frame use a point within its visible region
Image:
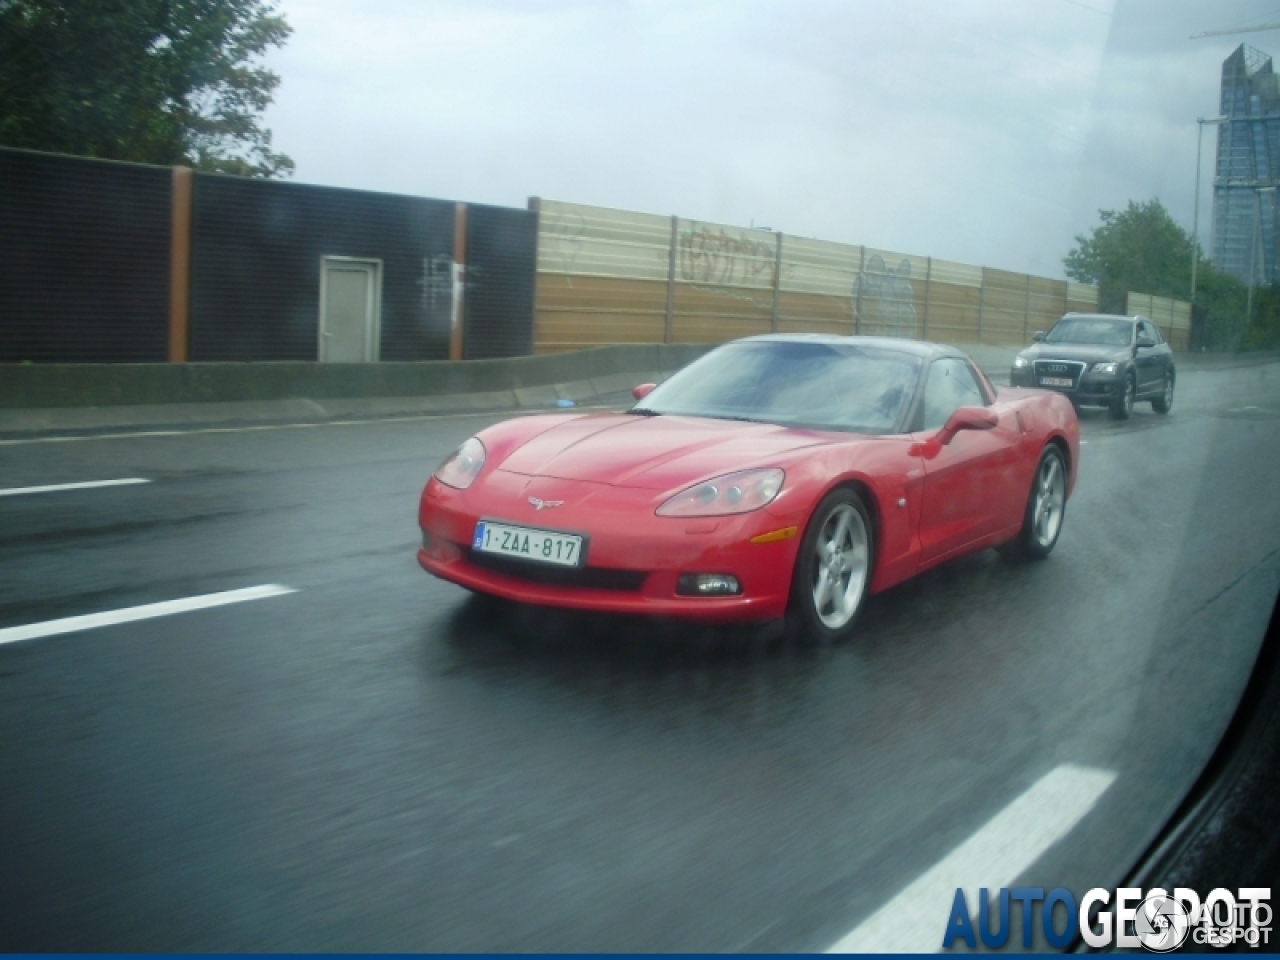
[786, 533]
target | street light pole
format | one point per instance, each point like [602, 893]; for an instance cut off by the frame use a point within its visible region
[1195, 216]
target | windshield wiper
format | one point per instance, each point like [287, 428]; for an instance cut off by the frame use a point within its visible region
[646, 412]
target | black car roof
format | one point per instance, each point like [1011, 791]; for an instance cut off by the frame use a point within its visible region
[918, 348]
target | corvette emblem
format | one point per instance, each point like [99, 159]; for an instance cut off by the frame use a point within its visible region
[539, 504]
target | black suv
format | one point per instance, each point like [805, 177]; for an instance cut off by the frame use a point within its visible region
[1100, 360]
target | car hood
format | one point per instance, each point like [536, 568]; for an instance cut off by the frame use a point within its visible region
[657, 453]
[1088, 352]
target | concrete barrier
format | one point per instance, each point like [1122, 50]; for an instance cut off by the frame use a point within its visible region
[101, 398]
[531, 380]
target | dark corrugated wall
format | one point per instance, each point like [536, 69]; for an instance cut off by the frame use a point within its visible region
[502, 248]
[255, 267]
[84, 260]
[84, 266]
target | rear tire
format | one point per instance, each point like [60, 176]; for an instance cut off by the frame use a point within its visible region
[1046, 508]
[833, 569]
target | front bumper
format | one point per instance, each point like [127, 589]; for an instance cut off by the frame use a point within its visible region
[1096, 390]
[633, 558]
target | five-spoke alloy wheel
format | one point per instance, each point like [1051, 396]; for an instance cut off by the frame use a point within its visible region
[1042, 522]
[833, 569]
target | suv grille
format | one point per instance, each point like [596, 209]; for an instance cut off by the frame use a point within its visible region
[1059, 368]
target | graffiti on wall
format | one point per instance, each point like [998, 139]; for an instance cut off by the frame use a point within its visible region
[716, 257]
[883, 298]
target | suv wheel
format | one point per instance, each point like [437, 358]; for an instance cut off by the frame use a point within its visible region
[1164, 402]
[1122, 405]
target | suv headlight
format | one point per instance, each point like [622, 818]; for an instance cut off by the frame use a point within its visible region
[1108, 369]
[463, 466]
[739, 492]
[1020, 362]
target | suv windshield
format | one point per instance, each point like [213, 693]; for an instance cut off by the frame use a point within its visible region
[830, 386]
[1091, 330]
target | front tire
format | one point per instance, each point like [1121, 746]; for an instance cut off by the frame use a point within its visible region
[1046, 506]
[1122, 405]
[833, 569]
[1164, 403]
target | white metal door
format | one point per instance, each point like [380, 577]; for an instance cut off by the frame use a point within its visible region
[350, 305]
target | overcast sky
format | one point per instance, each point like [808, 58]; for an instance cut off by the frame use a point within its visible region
[988, 132]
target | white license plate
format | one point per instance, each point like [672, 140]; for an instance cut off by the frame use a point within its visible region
[1055, 381]
[542, 546]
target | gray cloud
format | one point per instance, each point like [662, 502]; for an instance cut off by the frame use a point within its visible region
[988, 132]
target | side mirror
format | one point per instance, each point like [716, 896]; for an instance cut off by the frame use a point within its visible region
[1146, 342]
[643, 390]
[966, 418]
[1038, 336]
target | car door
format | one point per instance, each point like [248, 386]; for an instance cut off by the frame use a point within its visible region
[1164, 356]
[1148, 360]
[969, 480]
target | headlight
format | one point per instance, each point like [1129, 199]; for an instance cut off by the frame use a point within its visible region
[1105, 368]
[463, 466]
[739, 492]
[1020, 362]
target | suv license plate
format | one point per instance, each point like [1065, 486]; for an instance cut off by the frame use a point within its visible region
[1055, 381]
[543, 546]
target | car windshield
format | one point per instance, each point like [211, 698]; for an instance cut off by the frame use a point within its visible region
[1112, 333]
[836, 386]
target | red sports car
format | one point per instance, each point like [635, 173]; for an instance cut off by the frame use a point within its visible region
[785, 475]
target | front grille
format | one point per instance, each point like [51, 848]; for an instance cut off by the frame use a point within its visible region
[1059, 368]
[597, 578]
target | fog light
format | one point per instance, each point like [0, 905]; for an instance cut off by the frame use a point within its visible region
[707, 585]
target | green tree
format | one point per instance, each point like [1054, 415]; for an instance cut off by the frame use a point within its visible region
[1221, 302]
[1142, 249]
[1139, 248]
[1263, 331]
[152, 81]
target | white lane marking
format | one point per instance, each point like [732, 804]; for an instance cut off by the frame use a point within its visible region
[416, 418]
[915, 920]
[86, 485]
[52, 628]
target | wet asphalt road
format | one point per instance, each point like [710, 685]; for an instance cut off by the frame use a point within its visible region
[379, 762]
